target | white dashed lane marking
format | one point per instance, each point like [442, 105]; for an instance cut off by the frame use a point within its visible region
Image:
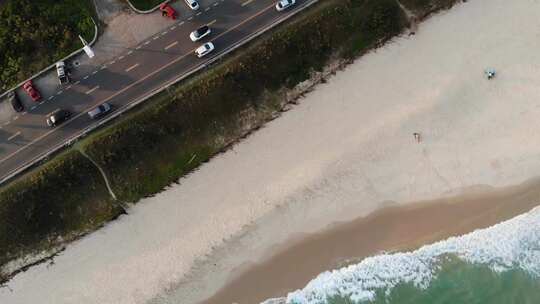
[85, 77]
[212, 22]
[181, 23]
[121, 57]
[59, 92]
[247, 2]
[14, 135]
[207, 9]
[147, 42]
[16, 117]
[92, 90]
[171, 45]
[199, 13]
[94, 72]
[33, 108]
[132, 67]
[130, 52]
[216, 4]
[50, 97]
[77, 82]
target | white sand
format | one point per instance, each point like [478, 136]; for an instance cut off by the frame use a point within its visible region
[343, 151]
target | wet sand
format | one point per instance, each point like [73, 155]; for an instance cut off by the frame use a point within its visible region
[389, 229]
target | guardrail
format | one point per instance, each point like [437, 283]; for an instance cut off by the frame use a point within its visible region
[150, 94]
[147, 11]
[54, 64]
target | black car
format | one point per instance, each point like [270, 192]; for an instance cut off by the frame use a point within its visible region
[57, 117]
[15, 102]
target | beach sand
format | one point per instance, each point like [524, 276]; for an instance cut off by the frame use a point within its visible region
[346, 150]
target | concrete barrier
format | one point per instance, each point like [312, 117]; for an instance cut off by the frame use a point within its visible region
[155, 8]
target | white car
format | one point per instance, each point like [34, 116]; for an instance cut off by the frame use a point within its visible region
[200, 33]
[284, 4]
[204, 49]
[61, 71]
[193, 4]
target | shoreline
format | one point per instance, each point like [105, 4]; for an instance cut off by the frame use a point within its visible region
[346, 150]
[389, 229]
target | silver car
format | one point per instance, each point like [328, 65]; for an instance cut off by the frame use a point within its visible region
[284, 4]
[99, 111]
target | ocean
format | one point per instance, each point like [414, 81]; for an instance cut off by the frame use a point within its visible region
[500, 264]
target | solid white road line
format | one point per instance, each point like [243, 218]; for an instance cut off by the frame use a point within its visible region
[14, 135]
[171, 45]
[132, 67]
[92, 90]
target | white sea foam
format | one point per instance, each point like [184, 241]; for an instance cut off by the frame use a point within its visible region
[511, 244]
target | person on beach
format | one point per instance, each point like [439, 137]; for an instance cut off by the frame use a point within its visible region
[416, 137]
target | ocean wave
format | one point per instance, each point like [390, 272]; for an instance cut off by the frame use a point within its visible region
[514, 243]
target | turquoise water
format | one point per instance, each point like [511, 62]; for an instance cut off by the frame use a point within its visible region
[462, 283]
[500, 264]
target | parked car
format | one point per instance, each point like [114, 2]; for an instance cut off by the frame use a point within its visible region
[284, 4]
[29, 88]
[61, 71]
[204, 49]
[99, 111]
[15, 101]
[193, 4]
[57, 117]
[167, 11]
[200, 33]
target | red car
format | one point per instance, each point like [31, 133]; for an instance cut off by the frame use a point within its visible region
[31, 90]
[167, 11]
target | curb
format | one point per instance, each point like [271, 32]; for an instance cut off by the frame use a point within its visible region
[84, 132]
[54, 64]
[155, 8]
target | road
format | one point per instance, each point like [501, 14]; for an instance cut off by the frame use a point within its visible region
[142, 69]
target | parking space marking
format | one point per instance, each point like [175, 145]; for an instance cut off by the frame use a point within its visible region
[171, 45]
[164, 33]
[247, 2]
[14, 135]
[132, 67]
[212, 22]
[92, 90]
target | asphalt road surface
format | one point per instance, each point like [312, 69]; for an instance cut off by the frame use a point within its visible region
[143, 68]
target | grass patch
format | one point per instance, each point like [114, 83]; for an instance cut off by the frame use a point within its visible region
[35, 34]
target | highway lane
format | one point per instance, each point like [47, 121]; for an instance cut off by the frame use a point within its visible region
[142, 69]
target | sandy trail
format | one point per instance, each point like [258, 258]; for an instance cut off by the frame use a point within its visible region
[344, 151]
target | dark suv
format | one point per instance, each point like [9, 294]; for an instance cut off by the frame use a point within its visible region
[57, 117]
[15, 101]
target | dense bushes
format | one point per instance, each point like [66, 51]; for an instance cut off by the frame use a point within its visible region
[65, 196]
[35, 33]
[424, 7]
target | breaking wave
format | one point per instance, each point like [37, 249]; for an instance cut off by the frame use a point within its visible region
[513, 244]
